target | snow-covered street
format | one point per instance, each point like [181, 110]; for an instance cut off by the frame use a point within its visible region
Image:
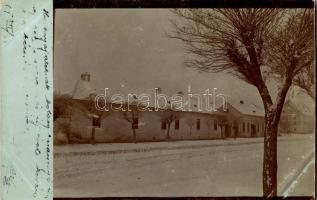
[231, 167]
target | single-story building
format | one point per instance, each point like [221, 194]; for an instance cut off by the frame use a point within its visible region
[77, 117]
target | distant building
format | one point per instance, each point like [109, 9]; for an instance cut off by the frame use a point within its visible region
[295, 120]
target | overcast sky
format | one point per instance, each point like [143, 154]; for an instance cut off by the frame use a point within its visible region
[127, 50]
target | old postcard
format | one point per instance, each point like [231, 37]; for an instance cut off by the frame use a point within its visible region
[131, 99]
[184, 102]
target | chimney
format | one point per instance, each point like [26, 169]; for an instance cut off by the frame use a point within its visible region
[85, 76]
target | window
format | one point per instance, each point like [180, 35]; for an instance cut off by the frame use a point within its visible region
[198, 124]
[96, 121]
[248, 127]
[215, 125]
[135, 124]
[243, 127]
[176, 124]
[163, 125]
[258, 127]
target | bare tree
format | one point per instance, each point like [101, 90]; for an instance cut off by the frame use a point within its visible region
[208, 124]
[96, 116]
[292, 46]
[241, 42]
[235, 128]
[132, 114]
[62, 133]
[62, 108]
[190, 123]
[222, 122]
[169, 116]
[305, 79]
[61, 103]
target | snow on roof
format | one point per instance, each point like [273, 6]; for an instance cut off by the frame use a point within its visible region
[247, 106]
[83, 89]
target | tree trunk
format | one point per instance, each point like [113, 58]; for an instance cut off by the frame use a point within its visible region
[168, 132]
[270, 155]
[236, 131]
[92, 139]
[208, 132]
[134, 135]
[69, 141]
[272, 119]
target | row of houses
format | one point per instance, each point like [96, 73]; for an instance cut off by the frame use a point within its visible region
[114, 126]
[79, 121]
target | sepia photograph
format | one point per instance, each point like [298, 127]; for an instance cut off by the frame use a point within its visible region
[183, 102]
